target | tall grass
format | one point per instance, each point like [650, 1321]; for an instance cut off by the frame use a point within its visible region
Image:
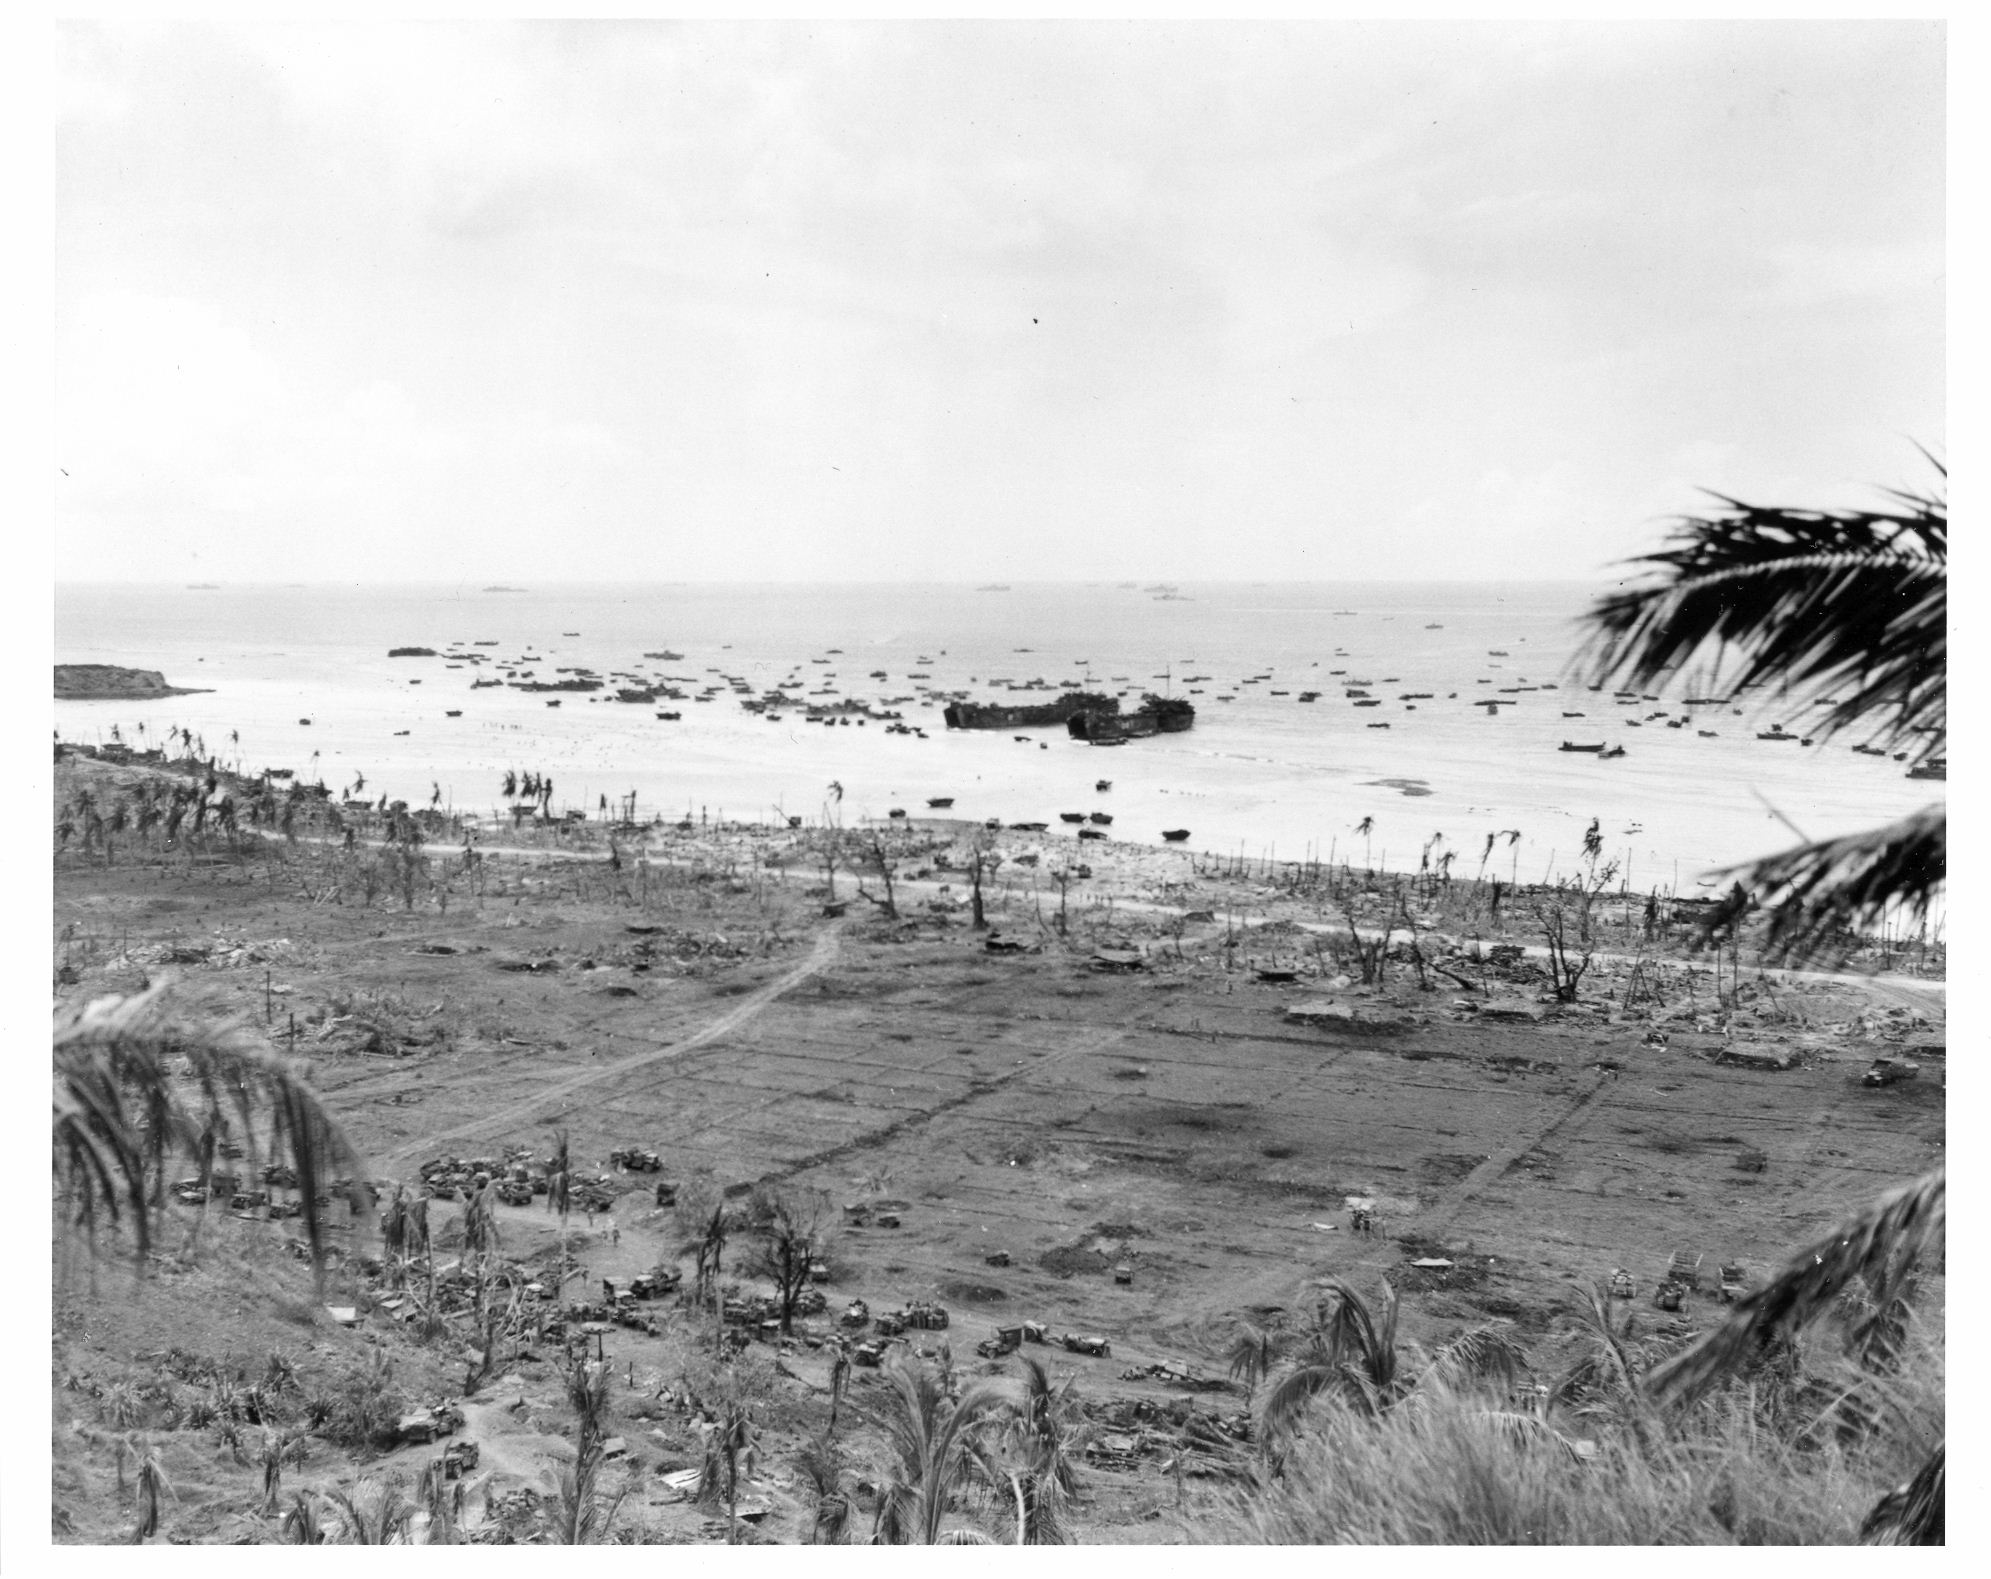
[1461, 1467]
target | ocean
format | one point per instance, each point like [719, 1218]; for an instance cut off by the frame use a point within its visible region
[1264, 774]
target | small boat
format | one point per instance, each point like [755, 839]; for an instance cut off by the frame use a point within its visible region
[896, 812]
[941, 802]
[1175, 835]
[1103, 819]
[454, 712]
[1705, 734]
[1071, 816]
[670, 717]
[1570, 745]
[1090, 833]
[304, 720]
[1615, 751]
[1103, 786]
[1572, 715]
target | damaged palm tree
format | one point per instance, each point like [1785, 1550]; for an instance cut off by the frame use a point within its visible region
[1810, 601]
[153, 1489]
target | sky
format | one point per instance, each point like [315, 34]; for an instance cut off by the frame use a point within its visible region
[969, 302]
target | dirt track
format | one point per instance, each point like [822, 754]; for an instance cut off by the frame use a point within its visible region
[519, 1115]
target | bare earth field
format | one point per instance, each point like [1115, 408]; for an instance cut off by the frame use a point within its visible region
[1035, 1121]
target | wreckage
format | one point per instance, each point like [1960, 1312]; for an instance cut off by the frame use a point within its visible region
[1157, 715]
[987, 715]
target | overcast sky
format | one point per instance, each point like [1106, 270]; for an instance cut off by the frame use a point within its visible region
[960, 302]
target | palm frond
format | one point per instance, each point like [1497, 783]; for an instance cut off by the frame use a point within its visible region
[1527, 1430]
[1879, 1245]
[1252, 1355]
[586, 1510]
[137, 1082]
[1287, 1399]
[928, 1437]
[1488, 1350]
[1851, 602]
[1850, 884]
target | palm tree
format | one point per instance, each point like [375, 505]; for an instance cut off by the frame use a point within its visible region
[136, 1086]
[1854, 602]
[1348, 1351]
[736, 1447]
[373, 1513]
[929, 1437]
[587, 1391]
[1046, 1431]
[301, 1526]
[822, 1465]
[1351, 1353]
[586, 1510]
[442, 1499]
[153, 1487]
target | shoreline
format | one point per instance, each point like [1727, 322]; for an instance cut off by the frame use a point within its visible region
[1039, 872]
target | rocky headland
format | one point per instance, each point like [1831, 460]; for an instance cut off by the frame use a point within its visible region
[91, 682]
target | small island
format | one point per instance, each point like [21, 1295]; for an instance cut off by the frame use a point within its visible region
[98, 682]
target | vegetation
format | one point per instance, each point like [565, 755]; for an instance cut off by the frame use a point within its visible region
[789, 1229]
[930, 1443]
[1854, 603]
[143, 1088]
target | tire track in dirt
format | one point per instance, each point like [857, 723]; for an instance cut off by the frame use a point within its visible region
[819, 958]
[1441, 1211]
[918, 1117]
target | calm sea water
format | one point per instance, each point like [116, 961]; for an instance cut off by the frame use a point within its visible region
[1263, 774]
